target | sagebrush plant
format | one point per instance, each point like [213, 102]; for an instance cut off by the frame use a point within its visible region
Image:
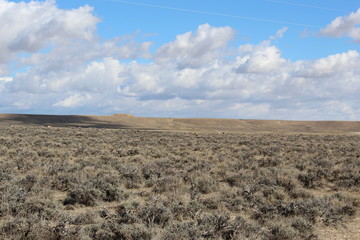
[87, 183]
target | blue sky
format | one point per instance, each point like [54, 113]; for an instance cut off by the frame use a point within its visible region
[268, 59]
[308, 17]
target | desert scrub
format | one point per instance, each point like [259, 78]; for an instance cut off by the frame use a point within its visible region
[154, 213]
[88, 183]
[204, 184]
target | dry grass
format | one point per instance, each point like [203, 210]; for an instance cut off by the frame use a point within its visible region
[127, 121]
[82, 183]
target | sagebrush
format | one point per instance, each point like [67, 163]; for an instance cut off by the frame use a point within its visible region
[87, 183]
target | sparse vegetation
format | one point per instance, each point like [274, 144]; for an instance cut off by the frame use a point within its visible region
[88, 183]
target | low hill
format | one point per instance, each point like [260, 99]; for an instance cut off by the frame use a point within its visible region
[127, 121]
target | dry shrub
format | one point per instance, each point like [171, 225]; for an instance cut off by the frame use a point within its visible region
[181, 230]
[204, 184]
[88, 183]
[153, 213]
[82, 196]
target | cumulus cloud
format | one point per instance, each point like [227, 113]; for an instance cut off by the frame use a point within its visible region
[259, 58]
[75, 100]
[29, 27]
[70, 70]
[5, 79]
[68, 43]
[344, 26]
[97, 76]
[246, 86]
[75, 65]
[192, 50]
[334, 64]
[3, 83]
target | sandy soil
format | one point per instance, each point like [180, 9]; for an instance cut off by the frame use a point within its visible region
[351, 231]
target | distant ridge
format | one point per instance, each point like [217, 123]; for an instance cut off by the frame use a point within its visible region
[128, 121]
[123, 115]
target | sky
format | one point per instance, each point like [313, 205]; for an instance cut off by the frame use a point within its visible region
[243, 59]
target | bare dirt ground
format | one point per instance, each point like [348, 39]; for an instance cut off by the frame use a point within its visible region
[349, 231]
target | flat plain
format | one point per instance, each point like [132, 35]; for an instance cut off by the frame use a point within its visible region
[124, 177]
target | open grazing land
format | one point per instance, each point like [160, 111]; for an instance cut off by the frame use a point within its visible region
[122, 177]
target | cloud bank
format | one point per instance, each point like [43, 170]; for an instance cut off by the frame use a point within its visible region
[344, 26]
[63, 67]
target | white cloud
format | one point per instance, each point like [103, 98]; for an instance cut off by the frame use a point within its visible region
[342, 108]
[69, 70]
[3, 83]
[75, 100]
[279, 34]
[274, 88]
[29, 27]
[192, 50]
[6, 79]
[331, 65]
[259, 59]
[68, 42]
[81, 65]
[345, 25]
[251, 109]
[97, 76]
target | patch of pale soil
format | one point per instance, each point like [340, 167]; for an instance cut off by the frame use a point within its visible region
[350, 231]
[59, 196]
